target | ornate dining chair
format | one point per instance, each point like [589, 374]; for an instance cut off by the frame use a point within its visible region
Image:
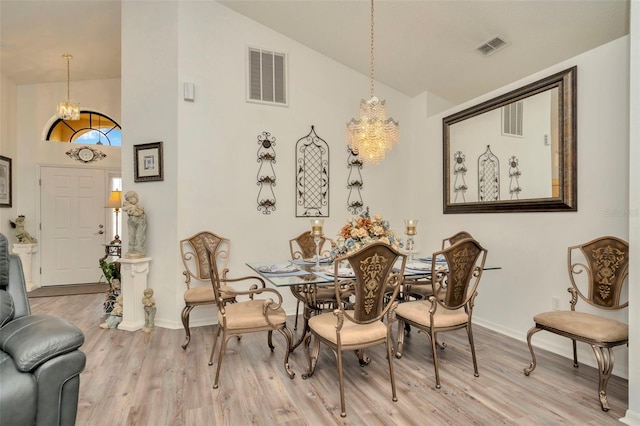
[246, 316]
[598, 271]
[193, 251]
[303, 247]
[362, 326]
[453, 308]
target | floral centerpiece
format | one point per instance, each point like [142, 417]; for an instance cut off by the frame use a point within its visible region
[362, 230]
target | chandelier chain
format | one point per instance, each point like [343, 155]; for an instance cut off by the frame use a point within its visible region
[371, 74]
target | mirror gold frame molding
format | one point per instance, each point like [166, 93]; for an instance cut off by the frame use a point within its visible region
[563, 116]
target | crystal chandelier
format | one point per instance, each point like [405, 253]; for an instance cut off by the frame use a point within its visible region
[68, 110]
[373, 134]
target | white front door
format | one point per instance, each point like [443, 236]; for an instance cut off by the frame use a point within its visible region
[73, 225]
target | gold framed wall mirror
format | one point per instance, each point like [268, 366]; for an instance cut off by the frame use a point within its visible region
[514, 153]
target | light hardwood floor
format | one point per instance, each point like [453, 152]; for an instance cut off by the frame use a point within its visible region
[133, 378]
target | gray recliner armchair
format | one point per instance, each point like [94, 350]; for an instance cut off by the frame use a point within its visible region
[40, 363]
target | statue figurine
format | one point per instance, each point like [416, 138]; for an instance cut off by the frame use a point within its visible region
[149, 310]
[21, 234]
[116, 315]
[137, 225]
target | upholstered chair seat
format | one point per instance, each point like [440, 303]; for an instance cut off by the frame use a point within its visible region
[589, 326]
[204, 294]
[324, 325]
[249, 315]
[419, 311]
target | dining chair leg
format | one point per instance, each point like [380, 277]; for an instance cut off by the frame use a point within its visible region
[400, 339]
[532, 365]
[435, 357]
[289, 337]
[575, 353]
[270, 340]
[343, 412]
[312, 357]
[215, 342]
[392, 376]
[473, 350]
[605, 359]
[185, 323]
[223, 347]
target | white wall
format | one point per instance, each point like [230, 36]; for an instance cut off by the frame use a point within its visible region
[8, 148]
[531, 247]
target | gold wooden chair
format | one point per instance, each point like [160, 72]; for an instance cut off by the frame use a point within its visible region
[196, 267]
[598, 271]
[303, 247]
[247, 316]
[362, 327]
[453, 308]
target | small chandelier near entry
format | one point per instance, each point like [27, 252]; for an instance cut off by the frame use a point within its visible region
[373, 135]
[68, 110]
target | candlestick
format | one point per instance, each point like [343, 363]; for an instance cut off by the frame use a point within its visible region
[316, 231]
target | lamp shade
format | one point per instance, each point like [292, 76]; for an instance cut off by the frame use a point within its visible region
[115, 200]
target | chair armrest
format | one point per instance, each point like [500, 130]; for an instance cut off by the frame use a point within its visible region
[35, 339]
[247, 278]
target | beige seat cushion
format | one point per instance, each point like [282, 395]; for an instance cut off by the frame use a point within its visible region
[589, 326]
[246, 315]
[351, 333]
[204, 293]
[418, 312]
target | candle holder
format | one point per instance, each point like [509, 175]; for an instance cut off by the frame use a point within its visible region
[410, 225]
[316, 232]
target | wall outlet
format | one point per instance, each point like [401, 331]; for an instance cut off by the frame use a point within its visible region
[555, 303]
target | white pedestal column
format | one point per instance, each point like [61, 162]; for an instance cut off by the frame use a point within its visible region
[25, 251]
[134, 280]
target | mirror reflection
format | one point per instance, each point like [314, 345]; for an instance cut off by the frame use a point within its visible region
[515, 152]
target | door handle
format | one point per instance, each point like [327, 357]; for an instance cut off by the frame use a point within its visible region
[100, 232]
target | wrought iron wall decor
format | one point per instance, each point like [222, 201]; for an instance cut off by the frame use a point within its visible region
[514, 176]
[459, 170]
[266, 173]
[354, 183]
[312, 176]
[488, 176]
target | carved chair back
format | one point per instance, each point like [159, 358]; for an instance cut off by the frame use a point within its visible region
[304, 247]
[465, 263]
[605, 264]
[195, 258]
[373, 267]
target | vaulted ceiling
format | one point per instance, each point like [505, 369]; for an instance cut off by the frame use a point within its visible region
[420, 45]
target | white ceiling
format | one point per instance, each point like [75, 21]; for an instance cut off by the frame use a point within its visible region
[419, 45]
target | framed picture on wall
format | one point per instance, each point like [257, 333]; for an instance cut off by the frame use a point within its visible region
[5, 181]
[147, 162]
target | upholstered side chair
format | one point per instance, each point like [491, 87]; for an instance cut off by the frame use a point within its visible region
[375, 268]
[598, 270]
[456, 287]
[197, 273]
[247, 316]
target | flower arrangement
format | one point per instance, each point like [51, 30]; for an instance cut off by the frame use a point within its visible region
[362, 230]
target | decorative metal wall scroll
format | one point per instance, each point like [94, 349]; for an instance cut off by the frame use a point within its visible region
[354, 183]
[514, 175]
[459, 170]
[312, 176]
[488, 176]
[266, 173]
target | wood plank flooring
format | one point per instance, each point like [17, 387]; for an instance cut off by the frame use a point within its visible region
[147, 379]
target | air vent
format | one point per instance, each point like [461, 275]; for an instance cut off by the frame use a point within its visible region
[487, 48]
[267, 77]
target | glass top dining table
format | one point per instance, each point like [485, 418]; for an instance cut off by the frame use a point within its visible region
[297, 272]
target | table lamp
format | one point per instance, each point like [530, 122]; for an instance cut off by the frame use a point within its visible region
[115, 202]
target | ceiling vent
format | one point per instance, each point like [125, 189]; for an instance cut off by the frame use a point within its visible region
[494, 44]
